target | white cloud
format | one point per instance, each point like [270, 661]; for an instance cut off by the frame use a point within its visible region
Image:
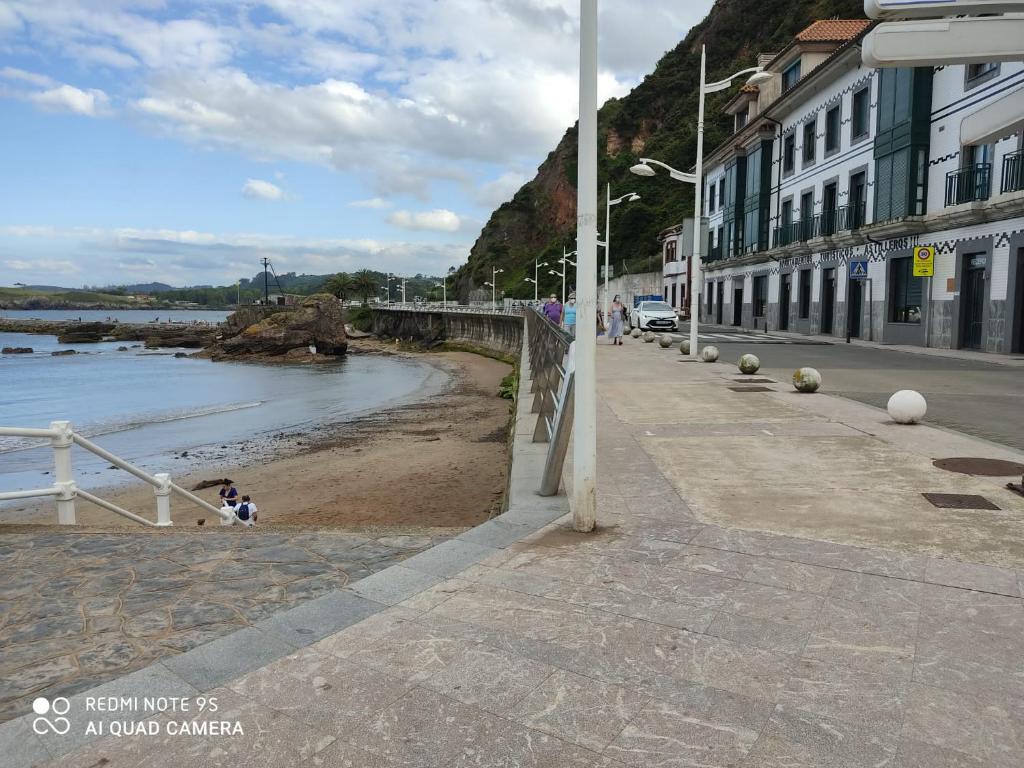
[439, 220]
[42, 265]
[67, 98]
[32, 78]
[500, 190]
[374, 203]
[258, 189]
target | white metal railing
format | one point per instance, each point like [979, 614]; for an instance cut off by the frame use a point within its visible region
[552, 372]
[62, 438]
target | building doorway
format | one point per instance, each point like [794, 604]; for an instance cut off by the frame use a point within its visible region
[719, 301]
[737, 306]
[828, 300]
[785, 297]
[1017, 321]
[855, 305]
[972, 296]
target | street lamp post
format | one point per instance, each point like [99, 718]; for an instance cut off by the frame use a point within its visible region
[444, 293]
[537, 264]
[494, 282]
[403, 290]
[565, 261]
[643, 168]
[632, 197]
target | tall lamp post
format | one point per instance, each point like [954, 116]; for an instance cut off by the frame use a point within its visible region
[584, 456]
[643, 168]
[632, 197]
[565, 261]
[537, 264]
[444, 293]
[494, 282]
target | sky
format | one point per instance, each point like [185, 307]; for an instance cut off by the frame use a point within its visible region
[181, 142]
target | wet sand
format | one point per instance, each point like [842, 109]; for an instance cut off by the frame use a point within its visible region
[435, 464]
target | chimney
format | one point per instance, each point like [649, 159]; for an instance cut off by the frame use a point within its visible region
[764, 58]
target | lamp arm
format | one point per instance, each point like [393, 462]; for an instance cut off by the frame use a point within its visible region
[721, 85]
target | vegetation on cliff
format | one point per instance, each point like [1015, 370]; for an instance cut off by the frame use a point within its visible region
[657, 119]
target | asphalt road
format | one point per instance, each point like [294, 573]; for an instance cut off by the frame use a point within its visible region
[981, 399]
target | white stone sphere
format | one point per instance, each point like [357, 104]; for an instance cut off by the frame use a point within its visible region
[635, 333]
[665, 341]
[684, 347]
[907, 407]
[709, 354]
[649, 337]
[749, 364]
[806, 380]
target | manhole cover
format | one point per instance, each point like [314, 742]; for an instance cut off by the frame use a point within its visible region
[755, 381]
[983, 467]
[959, 501]
[751, 389]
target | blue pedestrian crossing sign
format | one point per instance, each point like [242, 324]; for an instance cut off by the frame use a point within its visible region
[858, 270]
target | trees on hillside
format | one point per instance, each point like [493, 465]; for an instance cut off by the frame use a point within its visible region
[365, 284]
[341, 285]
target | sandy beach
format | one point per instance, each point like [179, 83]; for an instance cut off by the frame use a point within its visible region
[431, 465]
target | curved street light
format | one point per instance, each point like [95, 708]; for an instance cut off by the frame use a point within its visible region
[646, 168]
[632, 197]
[494, 280]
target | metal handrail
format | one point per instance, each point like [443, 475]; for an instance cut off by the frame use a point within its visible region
[454, 308]
[970, 184]
[1013, 172]
[62, 437]
[551, 353]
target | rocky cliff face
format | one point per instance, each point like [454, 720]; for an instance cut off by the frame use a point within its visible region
[319, 321]
[657, 119]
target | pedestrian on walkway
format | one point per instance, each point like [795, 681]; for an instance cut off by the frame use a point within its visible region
[569, 315]
[553, 310]
[618, 319]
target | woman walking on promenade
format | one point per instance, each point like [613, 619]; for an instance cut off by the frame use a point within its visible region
[618, 317]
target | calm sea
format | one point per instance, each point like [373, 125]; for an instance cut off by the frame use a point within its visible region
[149, 407]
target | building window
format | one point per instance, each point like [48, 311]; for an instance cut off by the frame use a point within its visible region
[978, 73]
[905, 299]
[789, 154]
[791, 76]
[860, 121]
[741, 120]
[711, 197]
[721, 191]
[810, 140]
[670, 251]
[760, 295]
[833, 121]
[805, 294]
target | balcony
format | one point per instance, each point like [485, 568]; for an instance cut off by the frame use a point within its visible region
[795, 232]
[716, 253]
[970, 184]
[846, 218]
[1013, 172]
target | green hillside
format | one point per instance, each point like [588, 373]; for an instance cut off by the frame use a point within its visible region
[657, 119]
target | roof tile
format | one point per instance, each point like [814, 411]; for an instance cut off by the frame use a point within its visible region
[832, 30]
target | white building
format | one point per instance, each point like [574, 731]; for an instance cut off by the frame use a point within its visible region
[833, 164]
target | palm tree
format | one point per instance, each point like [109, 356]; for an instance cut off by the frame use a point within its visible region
[365, 284]
[340, 285]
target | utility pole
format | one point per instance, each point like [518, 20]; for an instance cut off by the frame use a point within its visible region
[266, 281]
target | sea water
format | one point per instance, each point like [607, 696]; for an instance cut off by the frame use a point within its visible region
[149, 407]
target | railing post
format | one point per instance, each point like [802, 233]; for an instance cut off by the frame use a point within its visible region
[63, 475]
[163, 499]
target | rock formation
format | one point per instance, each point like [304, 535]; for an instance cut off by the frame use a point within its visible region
[319, 321]
[16, 351]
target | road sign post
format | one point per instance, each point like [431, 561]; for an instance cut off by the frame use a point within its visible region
[859, 270]
[924, 261]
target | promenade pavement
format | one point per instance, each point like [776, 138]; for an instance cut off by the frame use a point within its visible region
[767, 589]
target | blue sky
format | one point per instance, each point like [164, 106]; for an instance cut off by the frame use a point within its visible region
[182, 141]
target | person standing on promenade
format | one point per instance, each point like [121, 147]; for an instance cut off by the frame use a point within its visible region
[569, 315]
[553, 310]
[618, 318]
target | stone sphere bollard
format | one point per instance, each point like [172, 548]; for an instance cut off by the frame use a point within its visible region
[709, 354]
[806, 380]
[665, 341]
[907, 407]
[684, 347]
[749, 364]
[635, 333]
[649, 337]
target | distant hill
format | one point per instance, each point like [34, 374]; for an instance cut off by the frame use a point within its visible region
[144, 288]
[657, 119]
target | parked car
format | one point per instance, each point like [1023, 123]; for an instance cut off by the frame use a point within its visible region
[654, 316]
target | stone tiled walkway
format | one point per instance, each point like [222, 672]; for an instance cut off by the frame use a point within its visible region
[78, 609]
[660, 640]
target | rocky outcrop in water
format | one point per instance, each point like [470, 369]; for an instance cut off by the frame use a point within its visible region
[16, 351]
[319, 322]
[85, 333]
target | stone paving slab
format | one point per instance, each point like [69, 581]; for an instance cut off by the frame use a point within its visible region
[79, 609]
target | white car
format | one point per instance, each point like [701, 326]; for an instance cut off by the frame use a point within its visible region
[654, 316]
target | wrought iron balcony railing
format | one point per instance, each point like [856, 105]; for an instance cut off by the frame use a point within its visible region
[969, 184]
[1013, 172]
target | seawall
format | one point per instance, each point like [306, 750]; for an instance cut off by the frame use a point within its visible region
[496, 332]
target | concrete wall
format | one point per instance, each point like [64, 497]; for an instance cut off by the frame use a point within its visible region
[628, 286]
[498, 333]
